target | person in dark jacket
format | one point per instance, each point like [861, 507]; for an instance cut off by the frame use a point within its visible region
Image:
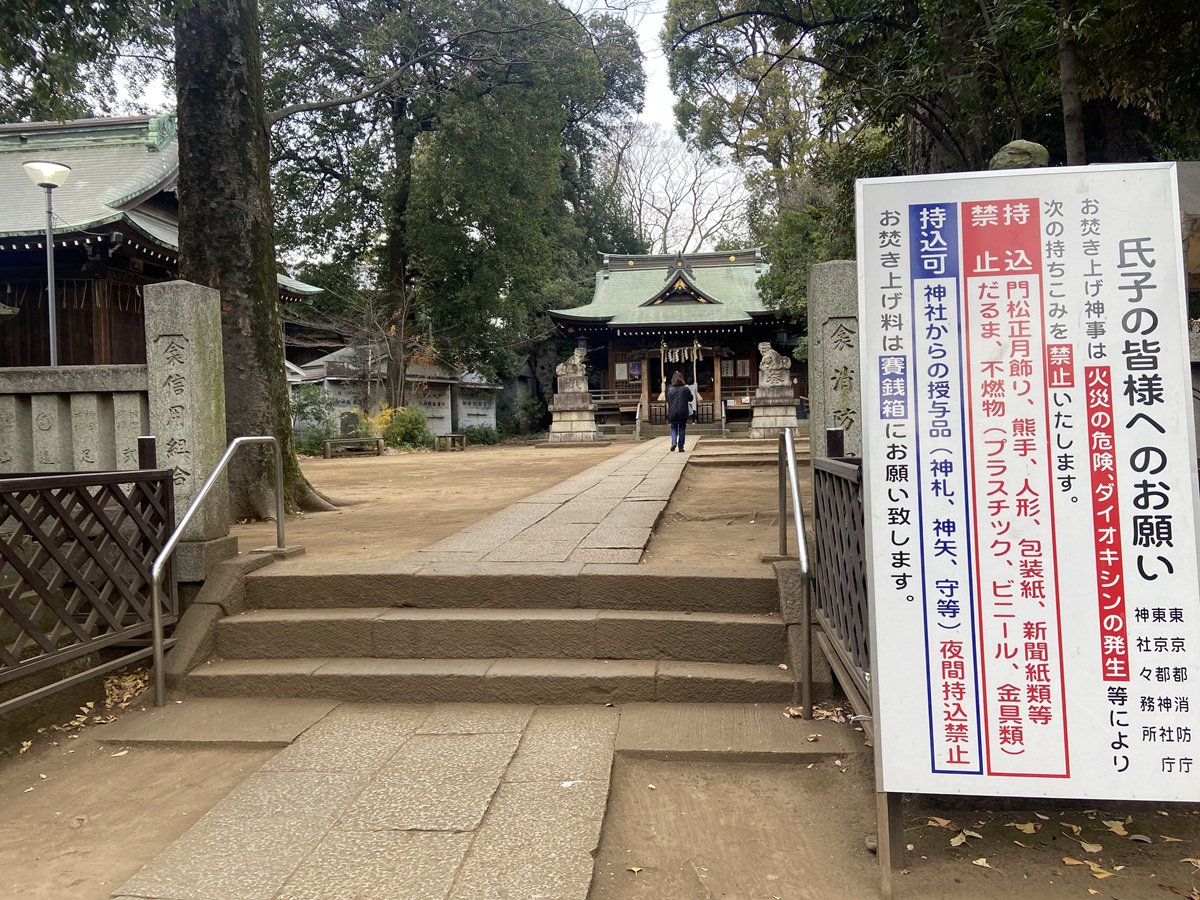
[679, 398]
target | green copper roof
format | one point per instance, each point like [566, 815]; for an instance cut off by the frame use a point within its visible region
[117, 166]
[634, 291]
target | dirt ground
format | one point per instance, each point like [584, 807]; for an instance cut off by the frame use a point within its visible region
[718, 518]
[78, 820]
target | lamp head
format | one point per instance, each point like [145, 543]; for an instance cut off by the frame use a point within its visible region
[46, 174]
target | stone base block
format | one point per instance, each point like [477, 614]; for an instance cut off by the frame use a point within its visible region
[573, 425]
[770, 421]
[195, 559]
[774, 394]
[573, 402]
[572, 384]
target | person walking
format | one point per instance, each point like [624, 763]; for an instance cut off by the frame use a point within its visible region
[679, 398]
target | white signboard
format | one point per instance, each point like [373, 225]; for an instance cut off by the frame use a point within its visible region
[1030, 484]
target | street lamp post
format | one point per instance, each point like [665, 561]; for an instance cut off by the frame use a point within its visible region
[49, 175]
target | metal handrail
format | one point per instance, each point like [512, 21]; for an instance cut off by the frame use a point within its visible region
[637, 423]
[156, 573]
[788, 477]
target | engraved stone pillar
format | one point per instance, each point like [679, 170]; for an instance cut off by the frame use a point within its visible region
[835, 398]
[187, 409]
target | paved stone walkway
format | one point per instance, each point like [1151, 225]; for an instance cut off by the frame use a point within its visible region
[407, 803]
[440, 802]
[603, 515]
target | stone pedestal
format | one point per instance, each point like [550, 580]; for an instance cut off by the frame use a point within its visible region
[573, 412]
[774, 409]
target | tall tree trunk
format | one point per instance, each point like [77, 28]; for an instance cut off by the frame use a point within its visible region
[227, 236]
[404, 130]
[1072, 101]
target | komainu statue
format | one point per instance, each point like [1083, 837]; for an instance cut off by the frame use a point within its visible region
[574, 365]
[773, 370]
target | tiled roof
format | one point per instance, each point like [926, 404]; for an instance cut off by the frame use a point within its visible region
[116, 166]
[626, 286]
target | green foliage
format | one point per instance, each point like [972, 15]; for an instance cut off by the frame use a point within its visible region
[408, 429]
[481, 434]
[57, 59]
[456, 165]
[313, 418]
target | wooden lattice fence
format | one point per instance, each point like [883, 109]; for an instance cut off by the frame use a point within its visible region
[76, 553]
[840, 574]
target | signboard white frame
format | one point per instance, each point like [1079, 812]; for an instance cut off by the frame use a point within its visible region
[1030, 485]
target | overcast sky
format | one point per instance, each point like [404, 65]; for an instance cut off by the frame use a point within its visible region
[659, 99]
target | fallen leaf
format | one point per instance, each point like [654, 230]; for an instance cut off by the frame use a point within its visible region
[1167, 839]
[1116, 828]
[1191, 895]
[813, 738]
[1093, 891]
[1069, 861]
[43, 777]
[794, 712]
[27, 790]
[938, 821]
[1074, 828]
[982, 862]
[633, 869]
[653, 788]
[1194, 862]
[1043, 818]
[25, 745]
[1162, 812]
[975, 834]
[1090, 848]
[783, 666]
[1026, 827]
[958, 840]
[1019, 844]
[118, 753]
[1140, 838]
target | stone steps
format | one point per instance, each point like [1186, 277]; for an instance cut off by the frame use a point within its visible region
[552, 681]
[561, 633]
[503, 633]
[452, 585]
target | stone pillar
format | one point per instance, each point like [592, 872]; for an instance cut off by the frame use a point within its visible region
[573, 412]
[834, 392]
[186, 380]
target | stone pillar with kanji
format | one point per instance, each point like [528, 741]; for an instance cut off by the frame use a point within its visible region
[186, 380]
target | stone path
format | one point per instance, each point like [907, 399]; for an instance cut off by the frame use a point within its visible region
[603, 515]
[438, 802]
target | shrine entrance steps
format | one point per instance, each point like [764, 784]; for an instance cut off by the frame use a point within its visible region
[502, 632]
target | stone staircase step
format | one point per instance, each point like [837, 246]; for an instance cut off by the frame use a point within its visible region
[499, 633]
[508, 586]
[547, 681]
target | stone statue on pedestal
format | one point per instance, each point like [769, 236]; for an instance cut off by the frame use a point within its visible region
[774, 368]
[574, 365]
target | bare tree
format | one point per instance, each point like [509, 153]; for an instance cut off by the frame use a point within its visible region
[683, 200]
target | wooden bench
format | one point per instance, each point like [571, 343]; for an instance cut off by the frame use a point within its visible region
[353, 442]
[449, 442]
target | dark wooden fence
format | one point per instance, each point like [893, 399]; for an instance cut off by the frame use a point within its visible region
[76, 553]
[840, 575]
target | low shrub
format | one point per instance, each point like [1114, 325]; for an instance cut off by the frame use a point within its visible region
[408, 429]
[481, 434]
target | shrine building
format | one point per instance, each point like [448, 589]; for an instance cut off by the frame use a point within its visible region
[116, 229]
[699, 314]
